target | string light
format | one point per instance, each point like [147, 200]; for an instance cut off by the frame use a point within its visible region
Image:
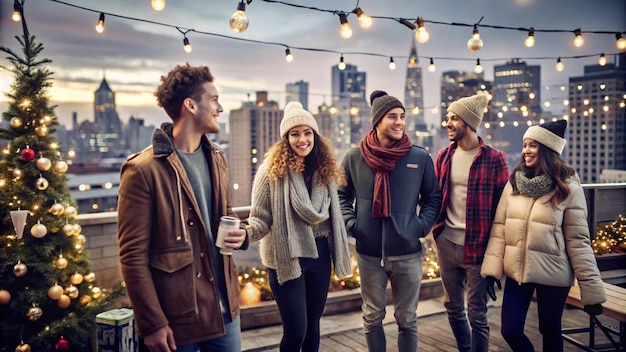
[530, 40]
[17, 14]
[342, 65]
[239, 20]
[602, 60]
[620, 42]
[431, 66]
[559, 65]
[288, 56]
[475, 43]
[392, 64]
[158, 5]
[478, 68]
[422, 34]
[344, 28]
[100, 25]
[365, 21]
[408, 23]
[578, 38]
[186, 45]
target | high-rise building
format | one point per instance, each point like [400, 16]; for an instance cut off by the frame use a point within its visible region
[108, 140]
[596, 133]
[298, 91]
[416, 127]
[253, 129]
[350, 109]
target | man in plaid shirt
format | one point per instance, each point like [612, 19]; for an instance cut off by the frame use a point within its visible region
[471, 176]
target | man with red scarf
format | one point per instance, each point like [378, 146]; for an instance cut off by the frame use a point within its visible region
[390, 201]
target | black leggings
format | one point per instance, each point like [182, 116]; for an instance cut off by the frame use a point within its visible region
[301, 301]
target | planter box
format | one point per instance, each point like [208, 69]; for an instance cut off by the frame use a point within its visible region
[266, 313]
[611, 261]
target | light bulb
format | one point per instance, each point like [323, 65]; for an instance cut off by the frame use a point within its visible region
[621, 42]
[475, 43]
[344, 29]
[158, 5]
[478, 68]
[422, 34]
[100, 25]
[392, 64]
[288, 56]
[17, 15]
[342, 64]
[559, 65]
[602, 60]
[431, 66]
[530, 40]
[239, 20]
[578, 39]
[365, 21]
[186, 45]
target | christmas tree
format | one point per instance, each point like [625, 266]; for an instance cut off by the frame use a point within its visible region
[48, 295]
[611, 238]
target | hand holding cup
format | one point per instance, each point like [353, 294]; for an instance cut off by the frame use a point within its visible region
[229, 236]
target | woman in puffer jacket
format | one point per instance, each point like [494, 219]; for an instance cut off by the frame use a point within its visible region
[540, 240]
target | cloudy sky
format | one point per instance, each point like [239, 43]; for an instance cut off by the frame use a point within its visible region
[140, 44]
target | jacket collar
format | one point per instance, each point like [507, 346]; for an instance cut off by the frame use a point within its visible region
[163, 143]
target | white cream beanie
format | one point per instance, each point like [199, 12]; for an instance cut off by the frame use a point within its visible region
[295, 115]
[549, 134]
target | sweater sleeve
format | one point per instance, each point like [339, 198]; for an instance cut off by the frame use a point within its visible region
[493, 263]
[259, 222]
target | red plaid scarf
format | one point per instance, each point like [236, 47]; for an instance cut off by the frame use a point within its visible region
[382, 161]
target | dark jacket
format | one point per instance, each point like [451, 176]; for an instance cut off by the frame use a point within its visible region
[163, 246]
[415, 202]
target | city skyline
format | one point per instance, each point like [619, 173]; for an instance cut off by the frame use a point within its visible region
[132, 56]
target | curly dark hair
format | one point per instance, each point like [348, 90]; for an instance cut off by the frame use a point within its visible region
[551, 164]
[184, 81]
[282, 159]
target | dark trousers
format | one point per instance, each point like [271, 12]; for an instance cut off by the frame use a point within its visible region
[301, 301]
[550, 305]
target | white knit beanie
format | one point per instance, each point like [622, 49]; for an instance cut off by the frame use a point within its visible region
[470, 109]
[295, 115]
[549, 134]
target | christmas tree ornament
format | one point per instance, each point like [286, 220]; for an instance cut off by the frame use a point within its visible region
[60, 263]
[60, 167]
[64, 301]
[43, 164]
[79, 247]
[77, 229]
[84, 300]
[20, 269]
[62, 345]
[27, 154]
[76, 279]
[22, 347]
[68, 229]
[71, 291]
[18, 217]
[80, 239]
[57, 209]
[41, 130]
[96, 292]
[16, 122]
[17, 173]
[34, 313]
[38, 230]
[55, 292]
[41, 184]
[70, 212]
[91, 277]
[5, 297]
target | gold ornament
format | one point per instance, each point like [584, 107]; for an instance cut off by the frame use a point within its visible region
[55, 292]
[64, 301]
[17, 173]
[41, 184]
[76, 279]
[80, 239]
[70, 212]
[84, 300]
[5, 297]
[44, 164]
[38, 230]
[61, 263]
[60, 167]
[76, 229]
[68, 229]
[72, 291]
[23, 347]
[16, 122]
[97, 292]
[57, 209]
[34, 313]
[91, 277]
[41, 130]
[20, 269]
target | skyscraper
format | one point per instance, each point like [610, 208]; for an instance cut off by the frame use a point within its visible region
[416, 127]
[108, 139]
[298, 91]
[350, 107]
[596, 134]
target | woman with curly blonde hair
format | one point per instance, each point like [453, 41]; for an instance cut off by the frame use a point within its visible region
[295, 214]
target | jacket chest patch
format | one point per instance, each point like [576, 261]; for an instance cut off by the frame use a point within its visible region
[412, 166]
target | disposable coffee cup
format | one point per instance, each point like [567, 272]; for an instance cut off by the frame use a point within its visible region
[227, 224]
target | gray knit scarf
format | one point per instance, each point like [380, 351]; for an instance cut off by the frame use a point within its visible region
[533, 187]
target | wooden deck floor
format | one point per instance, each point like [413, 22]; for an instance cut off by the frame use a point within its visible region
[434, 333]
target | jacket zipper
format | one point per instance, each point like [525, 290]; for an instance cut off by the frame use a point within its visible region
[524, 243]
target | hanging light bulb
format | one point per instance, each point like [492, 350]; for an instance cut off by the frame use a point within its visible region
[158, 5]
[392, 64]
[621, 42]
[186, 45]
[478, 68]
[17, 14]
[100, 25]
[559, 65]
[365, 21]
[475, 43]
[602, 60]
[345, 30]
[342, 64]
[431, 66]
[422, 34]
[288, 56]
[530, 40]
[578, 39]
[239, 20]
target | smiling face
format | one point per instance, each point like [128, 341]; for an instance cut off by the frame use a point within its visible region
[391, 127]
[207, 109]
[530, 153]
[301, 140]
[457, 128]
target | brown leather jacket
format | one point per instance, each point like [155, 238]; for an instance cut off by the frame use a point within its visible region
[163, 247]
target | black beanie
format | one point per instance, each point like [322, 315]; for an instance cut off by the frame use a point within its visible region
[381, 104]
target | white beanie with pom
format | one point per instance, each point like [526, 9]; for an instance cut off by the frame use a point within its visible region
[295, 115]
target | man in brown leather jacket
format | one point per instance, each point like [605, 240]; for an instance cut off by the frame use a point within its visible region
[172, 194]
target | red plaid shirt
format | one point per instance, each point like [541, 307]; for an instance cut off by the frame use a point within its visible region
[488, 175]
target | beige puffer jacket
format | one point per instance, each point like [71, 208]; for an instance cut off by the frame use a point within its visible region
[531, 241]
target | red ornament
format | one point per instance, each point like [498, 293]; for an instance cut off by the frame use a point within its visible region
[62, 345]
[28, 154]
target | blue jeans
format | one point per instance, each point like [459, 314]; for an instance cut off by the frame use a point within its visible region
[550, 305]
[231, 342]
[301, 301]
[406, 278]
[456, 278]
